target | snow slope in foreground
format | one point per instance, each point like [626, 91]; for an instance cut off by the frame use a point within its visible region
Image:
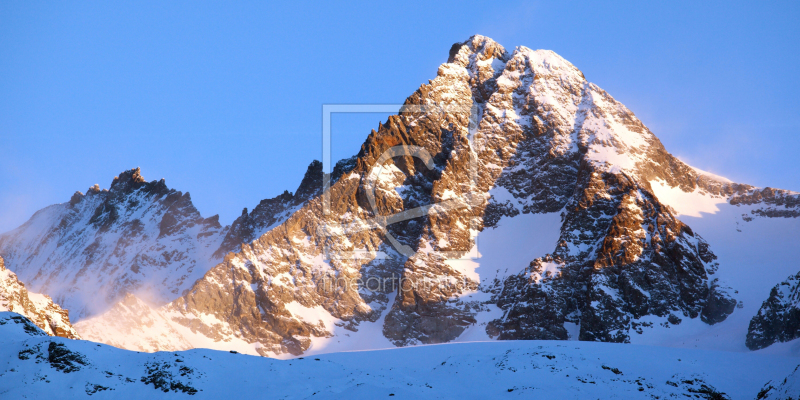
[38, 366]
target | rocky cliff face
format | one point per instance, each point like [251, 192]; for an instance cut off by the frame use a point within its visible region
[39, 308]
[778, 319]
[621, 256]
[271, 212]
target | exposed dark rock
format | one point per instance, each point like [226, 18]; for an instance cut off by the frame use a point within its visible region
[785, 389]
[647, 263]
[29, 327]
[64, 359]
[269, 212]
[57, 355]
[76, 198]
[778, 319]
[163, 378]
[718, 305]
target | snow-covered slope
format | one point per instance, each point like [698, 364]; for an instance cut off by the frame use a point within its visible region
[136, 326]
[39, 308]
[38, 366]
[782, 389]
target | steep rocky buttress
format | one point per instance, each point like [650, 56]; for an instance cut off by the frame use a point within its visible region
[38, 308]
[137, 237]
[778, 319]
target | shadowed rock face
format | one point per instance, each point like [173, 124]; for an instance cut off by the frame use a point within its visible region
[778, 319]
[639, 260]
[38, 308]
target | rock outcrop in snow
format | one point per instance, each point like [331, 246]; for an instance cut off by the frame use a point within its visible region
[786, 389]
[778, 319]
[39, 308]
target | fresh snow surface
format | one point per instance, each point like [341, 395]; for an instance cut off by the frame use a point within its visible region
[753, 257]
[712, 176]
[368, 337]
[529, 236]
[505, 369]
[501, 252]
[136, 326]
[687, 204]
[313, 315]
[511, 246]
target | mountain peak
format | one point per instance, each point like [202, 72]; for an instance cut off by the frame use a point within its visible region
[477, 48]
[548, 59]
[312, 181]
[130, 179]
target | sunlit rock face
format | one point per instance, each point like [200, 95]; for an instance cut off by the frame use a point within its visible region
[38, 308]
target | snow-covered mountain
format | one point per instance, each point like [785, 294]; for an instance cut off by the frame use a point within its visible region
[137, 237]
[38, 366]
[509, 199]
[524, 202]
[39, 308]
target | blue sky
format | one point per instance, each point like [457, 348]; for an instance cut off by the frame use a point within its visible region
[224, 99]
